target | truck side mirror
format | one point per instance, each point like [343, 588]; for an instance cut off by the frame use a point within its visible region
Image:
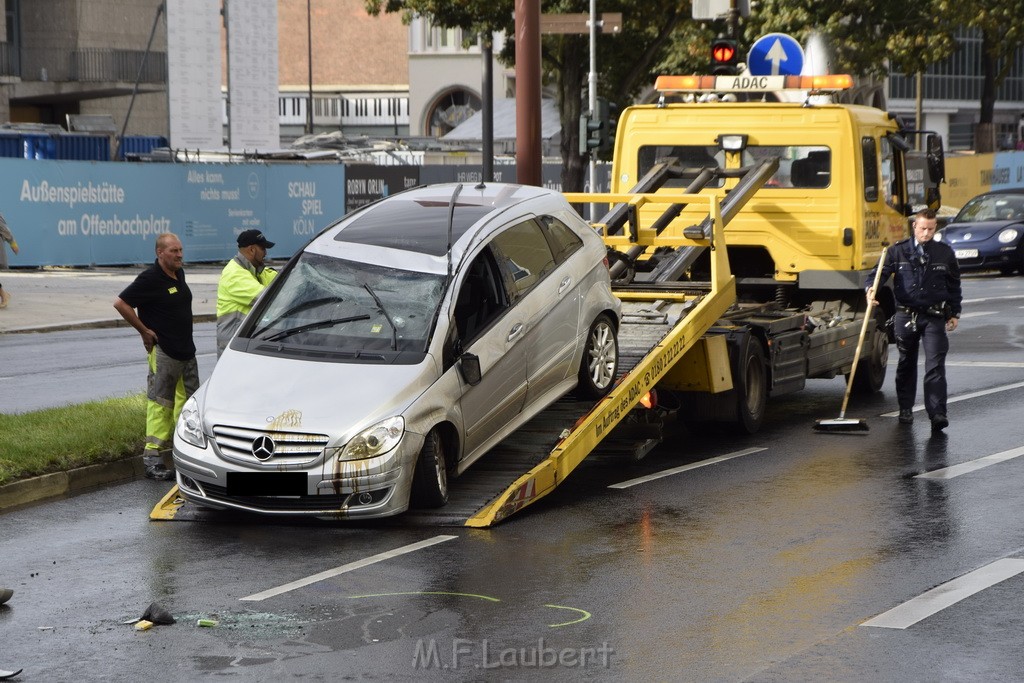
[936, 159]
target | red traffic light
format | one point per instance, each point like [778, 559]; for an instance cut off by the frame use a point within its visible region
[723, 52]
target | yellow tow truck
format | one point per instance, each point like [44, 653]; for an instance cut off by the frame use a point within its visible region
[740, 232]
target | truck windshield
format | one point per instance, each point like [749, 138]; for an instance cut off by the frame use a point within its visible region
[800, 166]
[341, 305]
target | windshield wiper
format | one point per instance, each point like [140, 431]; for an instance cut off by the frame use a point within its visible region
[313, 326]
[303, 306]
[380, 305]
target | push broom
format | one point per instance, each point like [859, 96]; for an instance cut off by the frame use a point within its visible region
[842, 423]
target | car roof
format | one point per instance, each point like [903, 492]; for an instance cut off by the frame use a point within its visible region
[417, 220]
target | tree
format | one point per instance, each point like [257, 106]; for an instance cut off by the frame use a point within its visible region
[868, 36]
[651, 41]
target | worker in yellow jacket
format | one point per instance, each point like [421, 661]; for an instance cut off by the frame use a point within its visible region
[241, 281]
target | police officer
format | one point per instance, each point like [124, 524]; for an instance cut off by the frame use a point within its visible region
[926, 284]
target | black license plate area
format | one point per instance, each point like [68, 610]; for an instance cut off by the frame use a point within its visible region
[266, 483]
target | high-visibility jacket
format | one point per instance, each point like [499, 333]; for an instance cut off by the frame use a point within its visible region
[237, 289]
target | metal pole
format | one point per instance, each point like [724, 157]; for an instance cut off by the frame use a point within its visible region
[592, 98]
[309, 62]
[227, 58]
[918, 108]
[487, 111]
[138, 77]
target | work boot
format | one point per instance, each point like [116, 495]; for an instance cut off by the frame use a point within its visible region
[159, 472]
[906, 416]
[939, 422]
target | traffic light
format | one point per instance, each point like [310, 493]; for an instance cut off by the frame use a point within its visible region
[724, 57]
[596, 129]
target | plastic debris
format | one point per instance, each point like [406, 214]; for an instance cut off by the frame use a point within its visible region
[207, 622]
[4, 675]
[45, 628]
[143, 625]
[5, 595]
[157, 614]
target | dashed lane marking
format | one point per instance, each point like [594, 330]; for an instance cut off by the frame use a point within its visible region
[956, 399]
[684, 468]
[949, 593]
[976, 314]
[972, 465]
[351, 566]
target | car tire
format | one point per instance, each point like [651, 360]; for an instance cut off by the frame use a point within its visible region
[430, 479]
[870, 375]
[750, 382]
[600, 363]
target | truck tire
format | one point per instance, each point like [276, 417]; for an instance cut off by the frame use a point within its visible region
[870, 375]
[750, 384]
[600, 362]
[430, 479]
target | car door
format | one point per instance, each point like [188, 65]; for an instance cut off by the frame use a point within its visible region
[489, 327]
[545, 286]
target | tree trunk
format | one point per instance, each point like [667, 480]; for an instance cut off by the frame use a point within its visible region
[984, 134]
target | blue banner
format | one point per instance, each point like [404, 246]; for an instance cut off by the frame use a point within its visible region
[74, 213]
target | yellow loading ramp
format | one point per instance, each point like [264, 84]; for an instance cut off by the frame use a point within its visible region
[578, 443]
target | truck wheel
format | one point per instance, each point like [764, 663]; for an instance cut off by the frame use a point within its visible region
[750, 383]
[600, 360]
[430, 480]
[870, 375]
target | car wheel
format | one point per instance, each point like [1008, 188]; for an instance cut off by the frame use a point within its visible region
[870, 375]
[600, 361]
[750, 381]
[430, 480]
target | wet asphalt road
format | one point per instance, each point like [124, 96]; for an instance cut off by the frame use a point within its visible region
[760, 567]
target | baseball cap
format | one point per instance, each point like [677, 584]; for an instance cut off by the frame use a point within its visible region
[249, 237]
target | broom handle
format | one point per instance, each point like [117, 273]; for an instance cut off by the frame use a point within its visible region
[863, 332]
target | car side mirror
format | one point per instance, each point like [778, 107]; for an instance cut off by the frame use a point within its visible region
[469, 367]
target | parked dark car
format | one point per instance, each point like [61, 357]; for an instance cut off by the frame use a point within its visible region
[988, 233]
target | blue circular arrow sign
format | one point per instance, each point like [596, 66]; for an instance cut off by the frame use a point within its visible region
[776, 54]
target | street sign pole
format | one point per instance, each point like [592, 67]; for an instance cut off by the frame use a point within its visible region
[592, 99]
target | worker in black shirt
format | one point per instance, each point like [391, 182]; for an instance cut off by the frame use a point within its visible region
[926, 284]
[164, 320]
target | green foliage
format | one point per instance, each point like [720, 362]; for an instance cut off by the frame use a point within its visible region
[60, 439]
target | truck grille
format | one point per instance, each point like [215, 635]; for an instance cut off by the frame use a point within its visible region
[290, 448]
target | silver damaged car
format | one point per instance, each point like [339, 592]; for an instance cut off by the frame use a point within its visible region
[398, 347]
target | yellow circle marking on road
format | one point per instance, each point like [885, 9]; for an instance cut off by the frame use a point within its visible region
[585, 613]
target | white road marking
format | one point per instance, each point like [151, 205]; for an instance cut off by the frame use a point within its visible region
[976, 394]
[976, 314]
[972, 465]
[985, 364]
[993, 298]
[358, 564]
[949, 593]
[684, 468]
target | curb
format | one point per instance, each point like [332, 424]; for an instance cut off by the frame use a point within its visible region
[61, 484]
[94, 325]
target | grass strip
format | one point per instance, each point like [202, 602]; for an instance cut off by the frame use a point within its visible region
[60, 439]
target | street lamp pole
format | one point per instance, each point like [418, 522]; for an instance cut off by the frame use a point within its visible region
[309, 61]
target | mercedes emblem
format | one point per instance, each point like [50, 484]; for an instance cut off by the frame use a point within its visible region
[263, 447]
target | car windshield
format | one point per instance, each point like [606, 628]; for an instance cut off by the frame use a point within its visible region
[348, 306]
[992, 208]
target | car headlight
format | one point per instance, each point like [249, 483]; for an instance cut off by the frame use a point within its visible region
[1008, 235]
[377, 440]
[190, 424]
[937, 237]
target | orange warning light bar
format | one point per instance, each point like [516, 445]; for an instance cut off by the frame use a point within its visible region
[748, 83]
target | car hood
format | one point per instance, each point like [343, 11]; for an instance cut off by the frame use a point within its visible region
[336, 399]
[979, 232]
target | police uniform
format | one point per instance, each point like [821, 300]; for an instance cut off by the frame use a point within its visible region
[926, 284]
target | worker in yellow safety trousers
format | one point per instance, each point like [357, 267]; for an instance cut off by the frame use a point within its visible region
[164, 320]
[241, 281]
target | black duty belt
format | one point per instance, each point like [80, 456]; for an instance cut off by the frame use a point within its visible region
[918, 311]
